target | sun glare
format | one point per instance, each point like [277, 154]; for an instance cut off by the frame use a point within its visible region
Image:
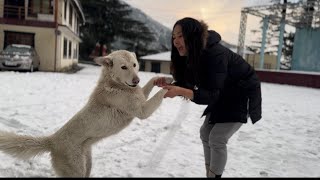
[204, 13]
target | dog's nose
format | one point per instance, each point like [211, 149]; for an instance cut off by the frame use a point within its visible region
[135, 80]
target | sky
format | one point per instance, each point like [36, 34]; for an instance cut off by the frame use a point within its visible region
[284, 143]
[221, 16]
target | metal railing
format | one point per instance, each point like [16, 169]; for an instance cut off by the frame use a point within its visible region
[19, 12]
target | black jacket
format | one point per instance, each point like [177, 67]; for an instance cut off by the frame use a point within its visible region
[226, 83]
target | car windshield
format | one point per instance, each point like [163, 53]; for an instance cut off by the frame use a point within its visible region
[17, 50]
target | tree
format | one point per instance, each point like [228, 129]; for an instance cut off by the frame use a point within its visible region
[106, 21]
[307, 14]
[288, 49]
[256, 45]
[273, 32]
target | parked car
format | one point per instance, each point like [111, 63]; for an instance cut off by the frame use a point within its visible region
[19, 57]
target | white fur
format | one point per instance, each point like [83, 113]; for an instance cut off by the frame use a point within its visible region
[113, 104]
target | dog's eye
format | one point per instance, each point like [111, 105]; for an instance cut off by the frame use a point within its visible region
[124, 67]
[134, 65]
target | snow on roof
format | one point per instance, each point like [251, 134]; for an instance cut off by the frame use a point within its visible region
[163, 56]
[166, 56]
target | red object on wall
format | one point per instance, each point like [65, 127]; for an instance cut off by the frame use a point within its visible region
[104, 50]
[97, 50]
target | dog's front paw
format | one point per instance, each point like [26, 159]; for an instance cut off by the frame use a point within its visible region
[163, 92]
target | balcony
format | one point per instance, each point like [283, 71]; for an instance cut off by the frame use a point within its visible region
[17, 15]
[14, 12]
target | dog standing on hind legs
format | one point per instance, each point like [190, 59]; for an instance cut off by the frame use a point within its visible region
[116, 100]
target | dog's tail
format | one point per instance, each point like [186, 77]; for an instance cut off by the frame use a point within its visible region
[23, 147]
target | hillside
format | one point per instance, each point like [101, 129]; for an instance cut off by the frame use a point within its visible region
[162, 34]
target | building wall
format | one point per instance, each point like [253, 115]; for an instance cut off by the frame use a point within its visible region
[67, 62]
[1, 36]
[45, 38]
[60, 11]
[70, 32]
[147, 66]
[306, 50]
[290, 78]
[64, 19]
[44, 43]
[164, 66]
[1, 8]
[270, 61]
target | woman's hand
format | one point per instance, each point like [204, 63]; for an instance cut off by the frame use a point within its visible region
[174, 91]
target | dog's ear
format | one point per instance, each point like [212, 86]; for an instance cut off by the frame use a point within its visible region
[134, 54]
[103, 60]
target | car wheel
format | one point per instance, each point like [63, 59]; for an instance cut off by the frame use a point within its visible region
[31, 68]
[37, 69]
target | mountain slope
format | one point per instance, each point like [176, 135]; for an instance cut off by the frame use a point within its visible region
[161, 33]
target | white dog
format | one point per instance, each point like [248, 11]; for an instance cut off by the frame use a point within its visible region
[115, 102]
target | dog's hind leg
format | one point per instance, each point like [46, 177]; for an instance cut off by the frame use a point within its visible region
[69, 164]
[88, 157]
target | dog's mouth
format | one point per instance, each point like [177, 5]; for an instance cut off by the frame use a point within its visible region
[131, 85]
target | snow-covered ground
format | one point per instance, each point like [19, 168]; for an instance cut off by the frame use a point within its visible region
[285, 143]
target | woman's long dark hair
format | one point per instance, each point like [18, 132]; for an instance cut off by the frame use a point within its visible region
[195, 36]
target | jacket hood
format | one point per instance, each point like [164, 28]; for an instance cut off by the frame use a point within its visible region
[213, 38]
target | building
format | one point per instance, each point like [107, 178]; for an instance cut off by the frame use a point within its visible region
[303, 17]
[158, 63]
[50, 26]
[306, 54]
[270, 61]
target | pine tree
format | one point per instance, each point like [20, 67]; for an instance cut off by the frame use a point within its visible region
[288, 49]
[107, 20]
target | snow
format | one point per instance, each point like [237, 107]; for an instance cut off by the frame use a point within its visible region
[285, 143]
[163, 56]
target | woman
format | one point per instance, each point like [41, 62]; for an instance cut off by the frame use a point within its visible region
[208, 73]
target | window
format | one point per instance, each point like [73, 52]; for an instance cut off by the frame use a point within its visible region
[13, 9]
[11, 37]
[70, 50]
[40, 6]
[267, 66]
[65, 47]
[65, 9]
[70, 14]
[76, 25]
[155, 67]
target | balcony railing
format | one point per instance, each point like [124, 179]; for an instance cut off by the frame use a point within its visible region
[19, 12]
[17, 15]
[14, 12]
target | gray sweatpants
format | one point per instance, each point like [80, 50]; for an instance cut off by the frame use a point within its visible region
[214, 139]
